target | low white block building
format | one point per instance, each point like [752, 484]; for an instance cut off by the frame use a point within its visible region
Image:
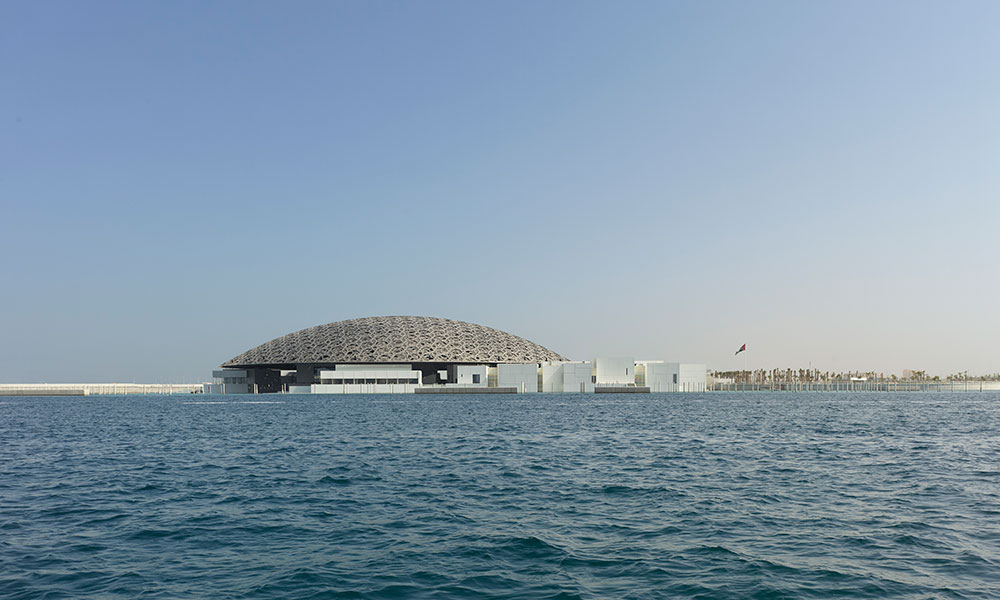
[468, 376]
[568, 377]
[614, 370]
[657, 375]
[367, 379]
[662, 376]
[522, 377]
[230, 381]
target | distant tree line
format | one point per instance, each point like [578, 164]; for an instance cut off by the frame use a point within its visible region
[773, 376]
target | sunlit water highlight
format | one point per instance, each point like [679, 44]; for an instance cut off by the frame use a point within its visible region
[637, 496]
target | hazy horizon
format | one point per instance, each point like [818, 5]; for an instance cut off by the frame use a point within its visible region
[181, 182]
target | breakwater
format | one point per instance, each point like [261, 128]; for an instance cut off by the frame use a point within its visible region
[97, 389]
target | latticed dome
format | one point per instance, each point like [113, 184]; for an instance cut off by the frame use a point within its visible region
[395, 340]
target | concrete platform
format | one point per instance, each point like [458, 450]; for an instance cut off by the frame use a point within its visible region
[622, 389]
[465, 390]
[97, 389]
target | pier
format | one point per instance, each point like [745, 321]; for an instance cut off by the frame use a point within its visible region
[97, 389]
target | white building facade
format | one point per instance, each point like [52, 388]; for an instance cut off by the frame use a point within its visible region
[662, 376]
[567, 377]
[614, 371]
[366, 379]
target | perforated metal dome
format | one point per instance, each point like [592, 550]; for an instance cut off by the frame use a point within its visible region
[395, 340]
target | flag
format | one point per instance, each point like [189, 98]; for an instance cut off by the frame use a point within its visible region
[742, 348]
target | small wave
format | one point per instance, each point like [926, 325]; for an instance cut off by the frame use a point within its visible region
[397, 590]
[862, 541]
[487, 585]
[104, 520]
[88, 548]
[529, 547]
[232, 499]
[622, 490]
[152, 534]
[915, 541]
[667, 530]
[298, 583]
[328, 480]
[711, 551]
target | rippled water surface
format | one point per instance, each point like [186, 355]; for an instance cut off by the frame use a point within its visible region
[637, 496]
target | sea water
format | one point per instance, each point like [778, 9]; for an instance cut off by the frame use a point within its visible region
[724, 495]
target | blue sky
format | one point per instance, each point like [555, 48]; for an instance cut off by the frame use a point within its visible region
[180, 181]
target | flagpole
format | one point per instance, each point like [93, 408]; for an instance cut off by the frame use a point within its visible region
[746, 368]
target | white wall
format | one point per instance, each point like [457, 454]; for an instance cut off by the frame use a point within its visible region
[231, 381]
[367, 379]
[692, 377]
[615, 370]
[684, 377]
[567, 377]
[374, 388]
[464, 375]
[552, 377]
[659, 375]
[524, 377]
[578, 377]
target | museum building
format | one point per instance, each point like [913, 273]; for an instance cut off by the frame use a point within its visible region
[400, 355]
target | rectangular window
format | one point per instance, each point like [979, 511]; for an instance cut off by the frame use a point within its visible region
[349, 381]
[413, 380]
[338, 381]
[475, 378]
[381, 381]
[369, 381]
[675, 377]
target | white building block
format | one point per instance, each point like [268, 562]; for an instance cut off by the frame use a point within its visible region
[523, 377]
[615, 370]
